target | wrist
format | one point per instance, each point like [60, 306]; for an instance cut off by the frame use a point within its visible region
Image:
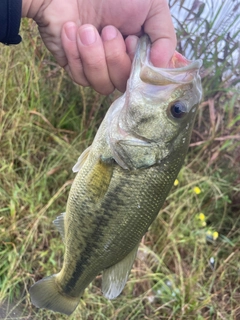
[30, 8]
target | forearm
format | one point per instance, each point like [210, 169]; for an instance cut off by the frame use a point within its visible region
[26, 5]
[11, 12]
[30, 8]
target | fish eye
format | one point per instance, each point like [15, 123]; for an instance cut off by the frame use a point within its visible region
[178, 109]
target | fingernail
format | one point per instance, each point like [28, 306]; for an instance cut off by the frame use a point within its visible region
[109, 33]
[87, 35]
[70, 29]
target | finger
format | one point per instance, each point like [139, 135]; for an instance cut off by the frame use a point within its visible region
[92, 55]
[131, 45]
[73, 64]
[159, 27]
[118, 61]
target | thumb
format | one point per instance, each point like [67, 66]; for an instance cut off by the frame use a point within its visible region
[159, 27]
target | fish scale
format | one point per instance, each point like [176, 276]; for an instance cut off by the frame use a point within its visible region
[123, 179]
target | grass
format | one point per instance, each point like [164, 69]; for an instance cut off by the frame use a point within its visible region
[182, 271]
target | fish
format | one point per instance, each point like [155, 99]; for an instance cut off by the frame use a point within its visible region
[123, 179]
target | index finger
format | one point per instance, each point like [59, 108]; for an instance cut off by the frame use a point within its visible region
[159, 27]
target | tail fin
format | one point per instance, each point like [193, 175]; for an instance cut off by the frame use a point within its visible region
[45, 294]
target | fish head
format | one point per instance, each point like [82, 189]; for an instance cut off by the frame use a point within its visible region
[161, 103]
[156, 114]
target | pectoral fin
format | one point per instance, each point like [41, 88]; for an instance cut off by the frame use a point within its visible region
[81, 160]
[59, 223]
[115, 277]
[98, 179]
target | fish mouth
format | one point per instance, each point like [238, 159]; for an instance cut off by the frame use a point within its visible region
[180, 70]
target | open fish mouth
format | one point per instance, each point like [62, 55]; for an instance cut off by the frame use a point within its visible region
[179, 71]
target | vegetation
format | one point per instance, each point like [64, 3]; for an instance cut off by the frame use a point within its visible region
[188, 263]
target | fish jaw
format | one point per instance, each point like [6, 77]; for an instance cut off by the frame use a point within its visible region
[159, 83]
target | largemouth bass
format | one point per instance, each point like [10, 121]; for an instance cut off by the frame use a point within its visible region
[123, 179]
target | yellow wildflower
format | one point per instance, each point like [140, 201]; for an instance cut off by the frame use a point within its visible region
[201, 216]
[197, 190]
[176, 182]
[212, 235]
[215, 235]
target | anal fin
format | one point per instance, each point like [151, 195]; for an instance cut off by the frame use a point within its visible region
[115, 277]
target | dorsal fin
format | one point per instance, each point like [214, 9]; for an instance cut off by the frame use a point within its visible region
[115, 277]
[81, 160]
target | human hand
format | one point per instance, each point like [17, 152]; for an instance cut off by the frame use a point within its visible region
[94, 41]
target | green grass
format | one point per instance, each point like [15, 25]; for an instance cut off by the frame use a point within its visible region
[46, 122]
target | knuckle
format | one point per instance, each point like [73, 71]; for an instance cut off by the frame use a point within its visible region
[94, 64]
[104, 90]
[114, 57]
[80, 80]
